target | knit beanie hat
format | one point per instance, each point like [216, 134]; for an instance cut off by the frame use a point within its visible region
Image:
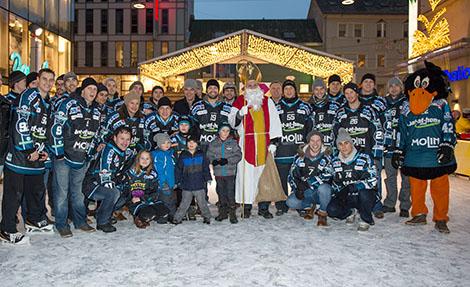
[318, 83]
[229, 85]
[212, 82]
[351, 86]
[70, 75]
[164, 101]
[313, 133]
[184, 120]
[395, 81]
[15, 77]
[289, 83]
[89, 82]
[343, 136]
[161, 138]
[224, 125]
[31, 77]
[334, 78]
[368, 76]
[102, 87]
[132, 95]
[190, 84]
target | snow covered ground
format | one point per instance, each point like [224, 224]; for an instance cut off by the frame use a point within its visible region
[284, 251]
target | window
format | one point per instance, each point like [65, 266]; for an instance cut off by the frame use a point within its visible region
[119, 21]
[89, 54]
[89, 21]
[342, 30]
[134, 20]
[149, 21]
[119, 54]
[164, 48]
[381, 29]
[358, 30]
[104, 54]
[75, 22]
[134, 50]
[164, 29]
[361, 61]
[380, 61]
[149, 50]
[104, 21]
[405, 29]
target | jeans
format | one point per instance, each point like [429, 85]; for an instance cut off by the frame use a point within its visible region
[363, 201]
[378, 200]
[108, 197]
[68, 186]
[322, 196]
[186, 202]
[15, 187]
[283, 170]
[392, 189]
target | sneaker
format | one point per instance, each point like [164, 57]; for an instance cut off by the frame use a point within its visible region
[419, 219]
[87, 228]
[14, 238]
[351, 218]
[386, 209]
[363, 226]
[65, 232]
[379, 214]
[107, 228]
[265, 213]
[206, 221]
[404, 213]
[40, 227]
[441, 226]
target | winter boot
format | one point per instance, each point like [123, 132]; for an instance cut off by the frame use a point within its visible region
[246, 213]
[379, 214]
[265, 213]
[386, 209]
[309, 214]
[192, 213]
[441, 226]
[233, 215]
[106, 228]
[322, 215]
[206, 220]
[419, 219]
[139, 223]
[404, 213]
[222, 214]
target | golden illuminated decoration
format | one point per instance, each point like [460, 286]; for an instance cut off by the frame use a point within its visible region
[248, 44]
[437, 32]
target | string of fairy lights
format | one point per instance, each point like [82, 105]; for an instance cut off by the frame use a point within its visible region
[282, 54]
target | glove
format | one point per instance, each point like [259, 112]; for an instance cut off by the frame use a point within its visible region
[445, 154]
[272, 149]
[215, 162]
[243, 111]
[223, 161]
[345, 191]
[398, 159]
[137, 193]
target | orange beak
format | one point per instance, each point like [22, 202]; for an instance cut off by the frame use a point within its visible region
[420, 100]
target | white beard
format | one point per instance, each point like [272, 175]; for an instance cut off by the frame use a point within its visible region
[254, 98]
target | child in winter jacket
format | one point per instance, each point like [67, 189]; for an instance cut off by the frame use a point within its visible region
[224, 153]
[141, 190]
[192, 174]
[164, 165]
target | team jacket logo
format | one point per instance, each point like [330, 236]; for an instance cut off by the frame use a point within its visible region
[429, 142]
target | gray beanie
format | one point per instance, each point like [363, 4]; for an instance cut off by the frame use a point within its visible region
[318, 83]
[343, 136]
[395, 81]
[313, 133]
[161, 138]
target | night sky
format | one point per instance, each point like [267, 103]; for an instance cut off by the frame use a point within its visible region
[251, 9]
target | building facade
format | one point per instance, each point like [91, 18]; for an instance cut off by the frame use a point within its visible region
[374, 34]
[35, 34]
[112, 36]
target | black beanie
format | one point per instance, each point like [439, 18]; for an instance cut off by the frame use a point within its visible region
[289, 83]
[15, 77]
[164, 101]
[31, 77]
[89, 82]
[334, 78]
[368, 76]
[212, 82]
[351, 86]
[102, 87]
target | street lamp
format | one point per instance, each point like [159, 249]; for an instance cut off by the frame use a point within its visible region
[138, 5]
[347, 2]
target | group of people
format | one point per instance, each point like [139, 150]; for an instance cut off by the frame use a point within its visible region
[154, 158]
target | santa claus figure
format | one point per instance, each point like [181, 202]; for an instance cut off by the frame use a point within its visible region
[255, 118]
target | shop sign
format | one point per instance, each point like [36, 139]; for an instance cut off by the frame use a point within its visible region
[462, 73]
[15, 57]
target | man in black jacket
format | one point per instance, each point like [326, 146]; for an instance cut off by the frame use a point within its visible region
[184, 106]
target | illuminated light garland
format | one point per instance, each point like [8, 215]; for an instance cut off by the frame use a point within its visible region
[437, 32]
[252, 44]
